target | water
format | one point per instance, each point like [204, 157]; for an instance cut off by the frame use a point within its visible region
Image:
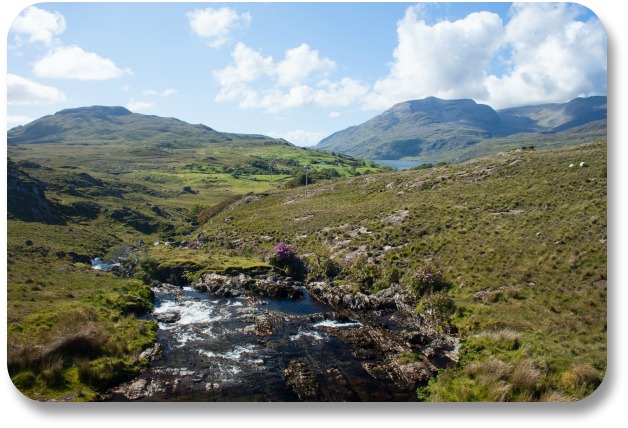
[399, 164]
[237, 349]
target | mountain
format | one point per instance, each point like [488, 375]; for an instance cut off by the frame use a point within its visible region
[104, 124]
[436, 129]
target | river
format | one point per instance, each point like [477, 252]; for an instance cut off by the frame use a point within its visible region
[238, 349]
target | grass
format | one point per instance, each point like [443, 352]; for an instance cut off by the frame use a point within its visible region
[520, 239]
[74, 331]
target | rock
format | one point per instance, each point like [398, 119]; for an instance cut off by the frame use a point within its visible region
[152, 353]
[302, 380]
[168, 317]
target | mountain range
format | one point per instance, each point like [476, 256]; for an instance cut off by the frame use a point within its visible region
[455, 130]
[105, 124]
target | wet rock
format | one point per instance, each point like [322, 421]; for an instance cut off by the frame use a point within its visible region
[275, 288]
[168, 317]
[269, 286]
[340, 297]
[152, 353]
[302, 380]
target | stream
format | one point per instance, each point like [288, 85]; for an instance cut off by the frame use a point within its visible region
[238, 349]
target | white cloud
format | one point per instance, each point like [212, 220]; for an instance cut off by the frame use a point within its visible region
[296, 81]
[26, 92]
[164, 93]
[72, 62]
[216, 25]
[38, 25]
[446, 60]
[138, 105]
[16, 120]
[299, 63]
[299, 137]
[554, 57]
[544, 54]
[334, 114]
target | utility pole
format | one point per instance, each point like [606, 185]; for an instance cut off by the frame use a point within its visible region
[271, 176]
[307, 169]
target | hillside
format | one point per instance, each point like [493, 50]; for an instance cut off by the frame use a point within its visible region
[518, 239]
[504, 255]
[450, 130]
[100, 183]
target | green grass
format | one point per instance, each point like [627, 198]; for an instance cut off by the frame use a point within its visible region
[62, 314]
[521, 228]
[520, 239]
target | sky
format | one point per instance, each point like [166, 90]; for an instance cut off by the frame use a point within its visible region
[300, 71]
[153, 57]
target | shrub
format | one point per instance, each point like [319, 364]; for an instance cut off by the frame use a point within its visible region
[148, 270]
[284, 258]
[437, 307]
[363, 273]
[426, 282]
[323, 268]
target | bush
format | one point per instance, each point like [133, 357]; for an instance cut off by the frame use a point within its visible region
[364, 273]
[437, 307]
[284, 258]
[323, 268]
[426, 282]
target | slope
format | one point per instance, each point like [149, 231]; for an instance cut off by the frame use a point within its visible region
[453, 130]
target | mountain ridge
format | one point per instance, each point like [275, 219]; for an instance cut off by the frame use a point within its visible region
[440, 129]
[106, 124]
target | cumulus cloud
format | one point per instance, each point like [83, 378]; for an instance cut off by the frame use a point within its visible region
[138, 105]
[298, 80]
[554, 57]
[299, 63]
[216, 25]
[446, 60]
[543, 54]
[299, 137]
[38, 25]
[72, 62]
[26, 92]
[164, 93]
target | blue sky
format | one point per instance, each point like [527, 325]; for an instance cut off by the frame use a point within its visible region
[300, 71]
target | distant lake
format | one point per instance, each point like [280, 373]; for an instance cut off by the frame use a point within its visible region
[399, 164]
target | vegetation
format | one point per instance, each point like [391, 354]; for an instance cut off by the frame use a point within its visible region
[517, 243]
[73, 330]
[506, 251]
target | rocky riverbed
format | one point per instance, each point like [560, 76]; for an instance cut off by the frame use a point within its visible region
[267, 338]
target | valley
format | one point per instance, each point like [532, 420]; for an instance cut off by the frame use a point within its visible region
[243, 260]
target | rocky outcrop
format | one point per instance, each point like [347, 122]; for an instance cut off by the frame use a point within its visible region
[26, 200]
[266, 285]
[342, 297]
